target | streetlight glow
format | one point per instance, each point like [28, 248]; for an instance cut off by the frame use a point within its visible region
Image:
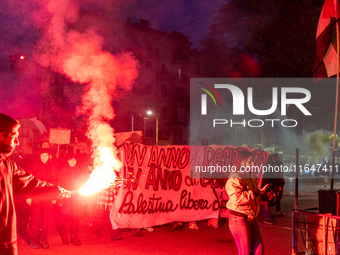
[149, 112]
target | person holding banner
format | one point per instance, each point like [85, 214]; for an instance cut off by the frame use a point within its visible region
[16, 180]
[102, 216]
[244, 205]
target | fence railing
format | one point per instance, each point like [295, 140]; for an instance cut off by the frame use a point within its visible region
[319, 232]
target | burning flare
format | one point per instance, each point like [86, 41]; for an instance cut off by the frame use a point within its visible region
[105, 162]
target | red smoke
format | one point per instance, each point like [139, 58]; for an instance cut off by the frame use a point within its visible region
[250, 66]
[81, 57]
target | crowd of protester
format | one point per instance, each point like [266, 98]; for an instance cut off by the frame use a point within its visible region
[38, 213]
[70, 170]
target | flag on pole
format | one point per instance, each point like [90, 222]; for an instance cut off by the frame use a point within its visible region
[325, 60]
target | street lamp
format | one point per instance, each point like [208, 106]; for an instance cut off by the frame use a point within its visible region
[149, 113]
[156, 130]
[132, 119]
[145, 118]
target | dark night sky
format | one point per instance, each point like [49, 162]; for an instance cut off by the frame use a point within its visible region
[168, 15]
[173, 14]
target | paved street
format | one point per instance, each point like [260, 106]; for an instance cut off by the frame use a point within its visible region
[210, 241]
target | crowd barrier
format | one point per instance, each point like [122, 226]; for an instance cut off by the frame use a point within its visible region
[319, 232]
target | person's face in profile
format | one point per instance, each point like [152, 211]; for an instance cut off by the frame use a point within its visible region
[11, 140]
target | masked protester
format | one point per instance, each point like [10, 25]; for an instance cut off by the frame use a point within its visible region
[71, 176]
[41, 208]
[14, 180]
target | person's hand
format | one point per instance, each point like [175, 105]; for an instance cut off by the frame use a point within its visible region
[270, 195]
[263, 190]
[64, 193]
[29, 201]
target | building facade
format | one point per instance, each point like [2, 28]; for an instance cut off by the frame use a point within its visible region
[166, 64]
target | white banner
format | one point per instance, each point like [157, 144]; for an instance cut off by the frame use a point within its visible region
[162, 190]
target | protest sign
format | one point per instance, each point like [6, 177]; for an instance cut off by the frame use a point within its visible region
[60, 136]
[133, 136]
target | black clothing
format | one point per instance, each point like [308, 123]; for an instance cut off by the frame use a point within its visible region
[15, 180]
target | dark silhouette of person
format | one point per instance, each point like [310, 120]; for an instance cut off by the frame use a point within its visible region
[16, 180]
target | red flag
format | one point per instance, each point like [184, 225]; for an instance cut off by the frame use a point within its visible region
[325, 60]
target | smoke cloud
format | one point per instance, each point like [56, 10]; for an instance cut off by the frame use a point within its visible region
[81, 57]
[319, 142]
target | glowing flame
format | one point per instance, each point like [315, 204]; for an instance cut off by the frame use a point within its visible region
[105, 162]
